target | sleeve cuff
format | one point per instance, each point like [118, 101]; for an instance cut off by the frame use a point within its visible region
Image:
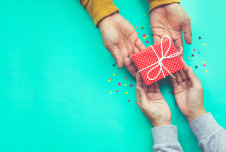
[157, 3]
[164, 134]
[204, 126]
[99, 9]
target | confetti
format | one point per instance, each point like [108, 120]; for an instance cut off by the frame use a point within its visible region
[187, 58]
[113, 74]
[131, 85]
[151, 34]
[196, 67]
[175, 103]
[204, 65]
[193, 49]
[110, 92]
[169, 91]
[113, 64]
[142, 28]
[128, 100]
[137, 32]
[204, 44]
[117, 91]
[146, 35]
[113, 58]
[199, 37]
[124, 84]
[203, 62]
[109, 80]
[192, 55]
[126, 78]
[143, 35]
[145, 14]
[119, 84]
[146, 41]
[205, 70]
[136, 26]
[126, 92]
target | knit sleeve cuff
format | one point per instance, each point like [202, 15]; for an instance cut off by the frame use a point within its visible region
[164, 134]
[99, 9]
[157, 3]
[204, 126]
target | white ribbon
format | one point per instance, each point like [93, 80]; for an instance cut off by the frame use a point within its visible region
[159, 62]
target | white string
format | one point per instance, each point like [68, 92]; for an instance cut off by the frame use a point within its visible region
[159, 62]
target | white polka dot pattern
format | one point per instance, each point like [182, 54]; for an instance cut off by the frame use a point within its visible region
[147, 57]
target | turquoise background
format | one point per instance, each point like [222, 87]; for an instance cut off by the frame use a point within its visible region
[54, 89]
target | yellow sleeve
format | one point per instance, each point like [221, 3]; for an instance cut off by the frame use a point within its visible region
[157, 3]
[99, 9]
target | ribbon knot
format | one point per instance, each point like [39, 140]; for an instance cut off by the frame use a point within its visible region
[159, 63]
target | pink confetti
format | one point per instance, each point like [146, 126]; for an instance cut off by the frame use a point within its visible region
[143, 35]
[126, 78]
[128, 100]
[119, 84]
[204, 64]
[146, 41]
[193, 49]
[131, 85]
[117, 91]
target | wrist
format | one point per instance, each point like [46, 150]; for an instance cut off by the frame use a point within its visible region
[195, 115]
[107, 19]
[161, 123]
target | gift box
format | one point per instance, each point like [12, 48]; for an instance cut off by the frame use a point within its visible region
[158, 61]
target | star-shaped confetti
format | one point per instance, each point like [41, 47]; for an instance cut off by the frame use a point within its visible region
[142, 28]
[192, 55]
[113, 64]
[199, 37]
[196, 67]
[146, 41]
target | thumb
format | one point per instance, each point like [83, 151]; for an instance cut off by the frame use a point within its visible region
[194, 80]
[141, 96]
[186, 27]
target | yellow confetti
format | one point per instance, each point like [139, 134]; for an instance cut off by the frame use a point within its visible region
[113, 74]
[143, 37]
[188, 58]
[145, 14]
[109, 80]
[204, 44]
[203, 62]
[110, 92]
[113, 58]
[126, 92]
[146, 35]
[124, 84]
[205, 70]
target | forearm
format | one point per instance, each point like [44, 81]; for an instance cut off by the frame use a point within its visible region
[157, 3]
[166, 139]
[211, 136]
[99, 9]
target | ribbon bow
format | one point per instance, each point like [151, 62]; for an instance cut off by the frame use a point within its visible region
[159, 63]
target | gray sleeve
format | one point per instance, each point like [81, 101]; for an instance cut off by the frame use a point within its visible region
[166, 139]
[211, 136]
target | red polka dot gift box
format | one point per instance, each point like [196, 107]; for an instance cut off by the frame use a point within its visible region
[158, 61]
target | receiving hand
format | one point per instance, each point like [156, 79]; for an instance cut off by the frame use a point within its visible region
[121, 40]
[152, 103]
[170, 20]
[188, 93]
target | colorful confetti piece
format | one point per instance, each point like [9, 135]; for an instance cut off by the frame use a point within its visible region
[196, 67]
[109, 80]
[146, 41]
[142, 28]
[199, 37]
[126, 78]
[204, 44]
[205, 70]
[117, 91]
[119, 84]
[128, 100]
[145, 14]
[136, 26]
[203, 62]
[193, 49]
[113, 64]
[124, 84]
[126, 92]
[131, 85]
[187, 58]
[192, 55]
[204, 65]
[110, 92]
[143, 35]
[113, 74]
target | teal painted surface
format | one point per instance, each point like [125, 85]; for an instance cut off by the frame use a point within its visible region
[54, 89]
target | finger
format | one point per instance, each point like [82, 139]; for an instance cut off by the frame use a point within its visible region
[141, 96]
[145, 87]
[156, 38]
[151, 88]
[130, 66]
[183, 75]
[156, 87]
[186, 27]
[118, 57]
[174, 82]
[139, 80]
[135, 50]
[194, 80]
[185, 69]
[178, 45]
[140, 46]
[178, 78]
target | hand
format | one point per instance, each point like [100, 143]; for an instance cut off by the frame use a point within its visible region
[152, 103]
[121, 40]
[188, 93]
[170, 20]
